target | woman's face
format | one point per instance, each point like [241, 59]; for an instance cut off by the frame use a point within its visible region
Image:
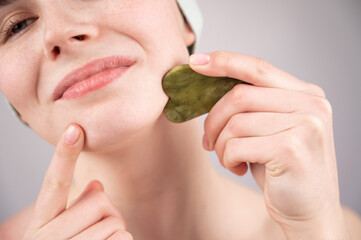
[54, 38]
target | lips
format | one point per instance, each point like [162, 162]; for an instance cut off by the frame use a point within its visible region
[92, 76]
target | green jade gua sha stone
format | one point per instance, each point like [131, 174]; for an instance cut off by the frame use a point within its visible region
[192, 94]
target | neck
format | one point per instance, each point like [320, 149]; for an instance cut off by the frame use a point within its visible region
[155, 181]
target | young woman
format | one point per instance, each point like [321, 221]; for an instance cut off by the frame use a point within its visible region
[86, 76]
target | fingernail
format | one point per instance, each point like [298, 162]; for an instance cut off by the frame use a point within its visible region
[200, 59]
[205, 142]
[71, 135]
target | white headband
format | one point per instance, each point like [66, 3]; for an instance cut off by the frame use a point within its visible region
[194, 17]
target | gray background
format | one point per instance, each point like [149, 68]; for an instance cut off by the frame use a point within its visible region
[318, 41]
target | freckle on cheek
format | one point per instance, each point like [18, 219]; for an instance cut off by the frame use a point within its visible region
[20, 65]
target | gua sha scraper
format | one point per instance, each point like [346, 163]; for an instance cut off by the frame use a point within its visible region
[192, 94]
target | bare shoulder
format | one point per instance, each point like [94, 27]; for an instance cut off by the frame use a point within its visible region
[353, 223]
[15, 227]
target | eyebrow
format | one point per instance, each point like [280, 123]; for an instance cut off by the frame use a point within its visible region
[4, 3]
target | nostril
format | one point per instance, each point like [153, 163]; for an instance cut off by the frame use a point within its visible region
[80, 37]
[56, 50]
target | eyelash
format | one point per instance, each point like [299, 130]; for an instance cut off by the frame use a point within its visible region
[6, 33]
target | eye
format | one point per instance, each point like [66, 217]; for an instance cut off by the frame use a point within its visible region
[21, 26]
[16, 27]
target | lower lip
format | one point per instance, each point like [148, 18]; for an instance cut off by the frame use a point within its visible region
[93, 83]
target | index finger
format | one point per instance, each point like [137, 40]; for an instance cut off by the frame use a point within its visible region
[250, 69]
[54, 193]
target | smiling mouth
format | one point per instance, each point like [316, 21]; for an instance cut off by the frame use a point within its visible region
[91, 77]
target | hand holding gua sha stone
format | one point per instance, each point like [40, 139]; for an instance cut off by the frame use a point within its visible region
[192, 94]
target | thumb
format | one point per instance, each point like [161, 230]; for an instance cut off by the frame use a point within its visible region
[93, 185]
[258, 173]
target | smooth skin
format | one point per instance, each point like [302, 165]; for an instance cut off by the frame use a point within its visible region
[121, 172]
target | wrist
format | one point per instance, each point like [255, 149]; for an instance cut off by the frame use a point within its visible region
[328, 227]
[317, 231]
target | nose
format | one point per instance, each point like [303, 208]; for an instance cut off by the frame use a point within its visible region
[65, 31]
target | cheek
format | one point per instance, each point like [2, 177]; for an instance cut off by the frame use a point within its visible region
[18, 75]
[134, 110]
[19, 80]
[107, 124]
[140, 106]
[153, 24]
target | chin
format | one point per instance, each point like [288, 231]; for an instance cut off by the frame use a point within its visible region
[111, 126]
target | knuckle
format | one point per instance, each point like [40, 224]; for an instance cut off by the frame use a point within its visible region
[100, 200]
[315, 89]
[225, 62]
[209, 127]
[238, 93]
[235, 124]
[223, 59]
[38, 235]
[127, 236]
[121, 235]
[262, 67]
[53, 184]
[228, 156]
[218, 148]
[104, 204]
[62, 151]
[321, 106]
[117, 222]
[292, 148]
[314, 123]
[315, 131]
[275, 169]
[325, 106]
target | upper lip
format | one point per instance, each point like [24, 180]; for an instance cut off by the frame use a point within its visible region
[89, 70]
